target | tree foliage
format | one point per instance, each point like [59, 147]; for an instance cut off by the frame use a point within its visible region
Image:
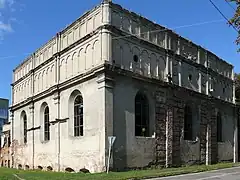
[235, 20]
[237, 83]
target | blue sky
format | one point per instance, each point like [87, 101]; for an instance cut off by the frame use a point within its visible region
[27, 24]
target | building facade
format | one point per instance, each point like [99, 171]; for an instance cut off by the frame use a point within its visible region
[4, 108]
[115, 73]
[5, 157]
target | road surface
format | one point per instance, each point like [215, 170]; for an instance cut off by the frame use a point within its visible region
[223, 174]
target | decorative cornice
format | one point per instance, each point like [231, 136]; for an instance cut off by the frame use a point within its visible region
[60, 87]
[59, 121]
[109, 72]
[34, 128]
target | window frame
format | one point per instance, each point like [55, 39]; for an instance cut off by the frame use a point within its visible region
[219, 127]
[78, 116]
[46, 124]
[188, 123]
[25, 128]
[142, 115]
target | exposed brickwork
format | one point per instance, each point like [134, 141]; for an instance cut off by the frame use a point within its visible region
[160, 128]
[170, 123]
[214, 143]
[177, 134]
[169, 135]
[203, 131]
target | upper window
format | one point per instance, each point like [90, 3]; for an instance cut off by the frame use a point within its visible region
[188, 135]
[24, 128]
[141, 115]
[78, 116]
[219, 127]
[190, 77]
[46, 124]
[135, 58]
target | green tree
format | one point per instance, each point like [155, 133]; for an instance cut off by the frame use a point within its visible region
[237, 82]
[235, 20]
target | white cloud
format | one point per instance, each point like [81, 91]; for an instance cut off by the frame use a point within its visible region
[5, 27]
[4, 3]
[6, 19]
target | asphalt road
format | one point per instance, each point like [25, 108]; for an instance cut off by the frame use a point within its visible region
[224, 174]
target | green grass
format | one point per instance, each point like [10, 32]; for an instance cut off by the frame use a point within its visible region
[8, 174]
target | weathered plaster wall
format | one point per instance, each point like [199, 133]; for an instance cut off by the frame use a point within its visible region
[167, 144]
[82, 57]
[75, 152]
[86, 24]
[129, 150]
[155, 63]
[135, 24]
[201, 70]
[225, 148]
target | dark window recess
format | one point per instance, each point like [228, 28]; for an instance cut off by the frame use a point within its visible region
[78, 116]
[188, 135]
[219, 127]
[141, 115]
[190, 77]
[25, 128]
[46, 124]
[135, 58]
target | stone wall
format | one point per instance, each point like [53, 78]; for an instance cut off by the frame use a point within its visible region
[204, 146]
[167, 146]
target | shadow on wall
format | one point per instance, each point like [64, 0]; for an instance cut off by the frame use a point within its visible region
[119, 155]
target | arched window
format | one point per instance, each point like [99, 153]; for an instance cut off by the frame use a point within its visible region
[141, 115]
[188, 135]
[46, 124]
[78, 116]
[219, 127]
[24, 128]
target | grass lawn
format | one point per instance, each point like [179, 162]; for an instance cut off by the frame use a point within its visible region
[9, 174]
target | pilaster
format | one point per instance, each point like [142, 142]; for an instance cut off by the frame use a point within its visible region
[211, 137]
[57, 69]
[234, 94]
[199, 56]
[203, 132]
[32, 133]
[12, 138]
[106, 38]
[235, 139]
[56, 99]
[167, 68]
[169, 137]
[106, 88]
[180, 73]
[199, 81]
[160, 144]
